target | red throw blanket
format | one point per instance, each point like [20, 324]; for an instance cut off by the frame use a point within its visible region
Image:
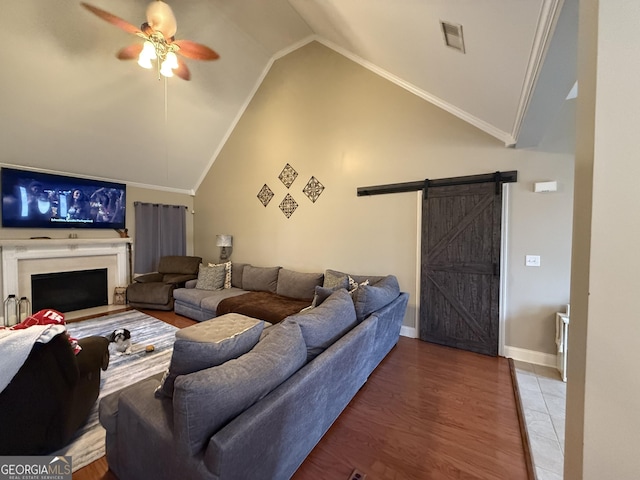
[47, 317]
[267, 306]
[17, 342]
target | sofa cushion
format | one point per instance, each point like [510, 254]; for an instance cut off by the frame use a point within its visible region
[177, 278]
[298, 285]
[369, 298]
[205, 401]
[227, 272]
[323, 325]
[195, 297]
[236, 274]
[260, 279]
[211, 277]
[208, 344]
[179, 264]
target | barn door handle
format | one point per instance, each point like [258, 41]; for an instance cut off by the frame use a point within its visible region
[495, 269]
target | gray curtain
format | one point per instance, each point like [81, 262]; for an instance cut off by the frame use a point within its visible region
[160, 230]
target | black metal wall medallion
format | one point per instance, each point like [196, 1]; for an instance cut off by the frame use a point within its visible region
[288, 205]
[265, 195]
[288, 175]
[313, 189]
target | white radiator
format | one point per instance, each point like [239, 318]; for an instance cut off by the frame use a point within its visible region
[562, 341]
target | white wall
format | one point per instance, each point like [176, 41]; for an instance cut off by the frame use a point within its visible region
[333, 119]
[603, 397]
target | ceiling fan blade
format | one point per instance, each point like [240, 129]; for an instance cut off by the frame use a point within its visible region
[195, 50]
[112, 19]
[131, 52]
[182, 71]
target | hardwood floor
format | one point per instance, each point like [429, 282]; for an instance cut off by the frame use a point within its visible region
[427, 412]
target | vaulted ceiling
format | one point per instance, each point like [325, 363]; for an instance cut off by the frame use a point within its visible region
[68, 106]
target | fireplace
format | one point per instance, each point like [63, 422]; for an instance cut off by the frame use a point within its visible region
[21, 259]
[69, 291]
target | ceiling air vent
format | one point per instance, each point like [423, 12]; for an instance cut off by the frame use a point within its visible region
[452, 34]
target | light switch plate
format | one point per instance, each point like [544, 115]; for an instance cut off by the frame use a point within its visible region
[532, 260]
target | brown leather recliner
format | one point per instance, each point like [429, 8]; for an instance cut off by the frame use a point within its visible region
[155, 290]
[51, 395]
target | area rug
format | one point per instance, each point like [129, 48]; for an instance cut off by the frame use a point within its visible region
[88, 443]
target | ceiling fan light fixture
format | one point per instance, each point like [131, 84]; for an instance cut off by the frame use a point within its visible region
[165, 70]
[149, 51]
[147, 54]
[159, 44]
[145, 63]
[169, 64]
[171, 60]
[161, 18]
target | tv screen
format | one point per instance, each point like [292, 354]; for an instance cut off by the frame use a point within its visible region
[43, 200]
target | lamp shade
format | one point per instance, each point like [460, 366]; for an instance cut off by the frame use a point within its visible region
[224, 240]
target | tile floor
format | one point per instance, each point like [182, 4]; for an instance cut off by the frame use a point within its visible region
[543, 396]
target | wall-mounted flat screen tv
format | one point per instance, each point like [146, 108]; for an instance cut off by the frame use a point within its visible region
[43, 200]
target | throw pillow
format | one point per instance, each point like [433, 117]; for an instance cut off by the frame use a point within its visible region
[208, 344]
[321, 294]
[211, 278]
[335, 279]
[227, 272]
[353, 285]
[323, 325]
[369, 298]
[333, 276]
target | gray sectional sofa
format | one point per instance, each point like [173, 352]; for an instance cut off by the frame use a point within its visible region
[279, 283]
[256, 413]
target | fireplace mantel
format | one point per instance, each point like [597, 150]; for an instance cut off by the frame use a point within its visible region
[44, 243]
[22, 258]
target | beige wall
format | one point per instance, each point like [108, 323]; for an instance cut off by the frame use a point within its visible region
[333, 119]
[603, 395]
[134, 194]
[581, 248]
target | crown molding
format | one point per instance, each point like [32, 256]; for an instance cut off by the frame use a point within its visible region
[549, 12]
[547, 20]
[486, 127]
[183, 191]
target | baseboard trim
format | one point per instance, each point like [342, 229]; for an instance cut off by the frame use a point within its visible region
[410, 332]
[530, 356]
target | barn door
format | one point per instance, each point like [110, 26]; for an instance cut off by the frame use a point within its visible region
[460, 266]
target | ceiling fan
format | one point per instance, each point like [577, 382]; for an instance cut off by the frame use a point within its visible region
[159, 43]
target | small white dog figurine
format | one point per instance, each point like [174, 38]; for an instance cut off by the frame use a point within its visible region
[121, 337]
